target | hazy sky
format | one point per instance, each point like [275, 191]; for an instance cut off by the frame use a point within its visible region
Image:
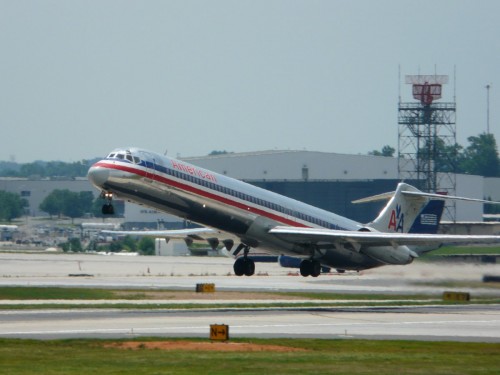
[79, 78]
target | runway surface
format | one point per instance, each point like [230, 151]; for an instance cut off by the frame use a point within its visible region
[47, 269]
[444, 323]
[455, 323]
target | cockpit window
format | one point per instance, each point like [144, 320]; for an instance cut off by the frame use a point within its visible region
[124, 155]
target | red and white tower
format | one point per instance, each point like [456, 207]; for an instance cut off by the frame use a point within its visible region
[427, 137]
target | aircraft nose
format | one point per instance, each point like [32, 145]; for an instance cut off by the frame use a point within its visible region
[98, 175]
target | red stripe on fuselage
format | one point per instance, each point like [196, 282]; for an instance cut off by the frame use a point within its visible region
[200, 192]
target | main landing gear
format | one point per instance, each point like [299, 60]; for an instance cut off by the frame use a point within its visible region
[310, 267]
[243, 265]
[107, 208]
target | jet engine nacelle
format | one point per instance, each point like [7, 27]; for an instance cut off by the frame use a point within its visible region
[366, 229]
[400, 255]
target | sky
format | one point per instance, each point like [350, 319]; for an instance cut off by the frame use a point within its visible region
[80, 78]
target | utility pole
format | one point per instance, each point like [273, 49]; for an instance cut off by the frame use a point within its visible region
[488, 109]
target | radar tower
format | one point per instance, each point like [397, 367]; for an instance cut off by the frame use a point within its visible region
[427, 138]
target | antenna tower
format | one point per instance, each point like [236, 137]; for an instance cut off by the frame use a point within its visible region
[427, 138]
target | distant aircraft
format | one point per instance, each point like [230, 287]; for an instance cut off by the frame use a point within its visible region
[242, 216]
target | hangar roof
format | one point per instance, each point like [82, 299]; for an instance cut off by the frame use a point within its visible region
[299, 165]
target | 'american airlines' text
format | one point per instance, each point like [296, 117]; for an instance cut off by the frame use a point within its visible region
[194, 171]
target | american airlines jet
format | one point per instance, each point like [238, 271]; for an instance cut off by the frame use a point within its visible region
[242, 216]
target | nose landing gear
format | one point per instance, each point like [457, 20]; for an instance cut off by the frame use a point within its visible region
[107, 208]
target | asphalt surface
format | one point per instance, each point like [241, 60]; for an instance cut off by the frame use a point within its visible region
[454, 322]
[448, 323]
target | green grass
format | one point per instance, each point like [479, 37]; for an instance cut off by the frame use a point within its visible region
[50, 293]
[23, 293]
[457, 284]
[320, 357]
[356, 296]
[337, 300]
[465, 250]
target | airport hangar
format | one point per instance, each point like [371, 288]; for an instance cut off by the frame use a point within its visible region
[326, 180]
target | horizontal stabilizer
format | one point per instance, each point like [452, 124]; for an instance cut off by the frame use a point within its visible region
[385, 196]
[447, 197]
[375, 198]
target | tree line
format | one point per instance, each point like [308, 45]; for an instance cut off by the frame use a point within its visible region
[44, 169]
[59, 203]
[144, 245]
[63, 202]
[480, 157]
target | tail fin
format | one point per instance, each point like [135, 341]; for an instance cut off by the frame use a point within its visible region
[403, 212]
[428, 219]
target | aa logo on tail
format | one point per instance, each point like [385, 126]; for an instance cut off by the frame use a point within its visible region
[397, 220]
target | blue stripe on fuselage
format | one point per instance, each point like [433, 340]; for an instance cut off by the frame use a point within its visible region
[207, 184]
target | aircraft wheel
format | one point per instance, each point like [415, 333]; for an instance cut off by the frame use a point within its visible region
[108, 209]
[315, 268]
[239, 267]
[249, 267]
[305, 267]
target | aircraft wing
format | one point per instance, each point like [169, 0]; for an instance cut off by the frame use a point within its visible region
[320, 235]
[193, 233]
[189, 235]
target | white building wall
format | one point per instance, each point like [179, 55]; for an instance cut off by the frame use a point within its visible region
[492, 188]
[142, 214]
[170, 248]
[35, 191]
[470, 187]
[289, 165]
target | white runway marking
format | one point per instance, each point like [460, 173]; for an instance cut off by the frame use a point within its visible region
[279, 324]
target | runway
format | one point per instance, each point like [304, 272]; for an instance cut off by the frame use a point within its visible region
[100, 271]
[443, 323]
[450, 323]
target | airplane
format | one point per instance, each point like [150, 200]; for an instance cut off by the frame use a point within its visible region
[231, 211]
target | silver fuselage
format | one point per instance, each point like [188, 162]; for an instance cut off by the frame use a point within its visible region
[217, 201]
